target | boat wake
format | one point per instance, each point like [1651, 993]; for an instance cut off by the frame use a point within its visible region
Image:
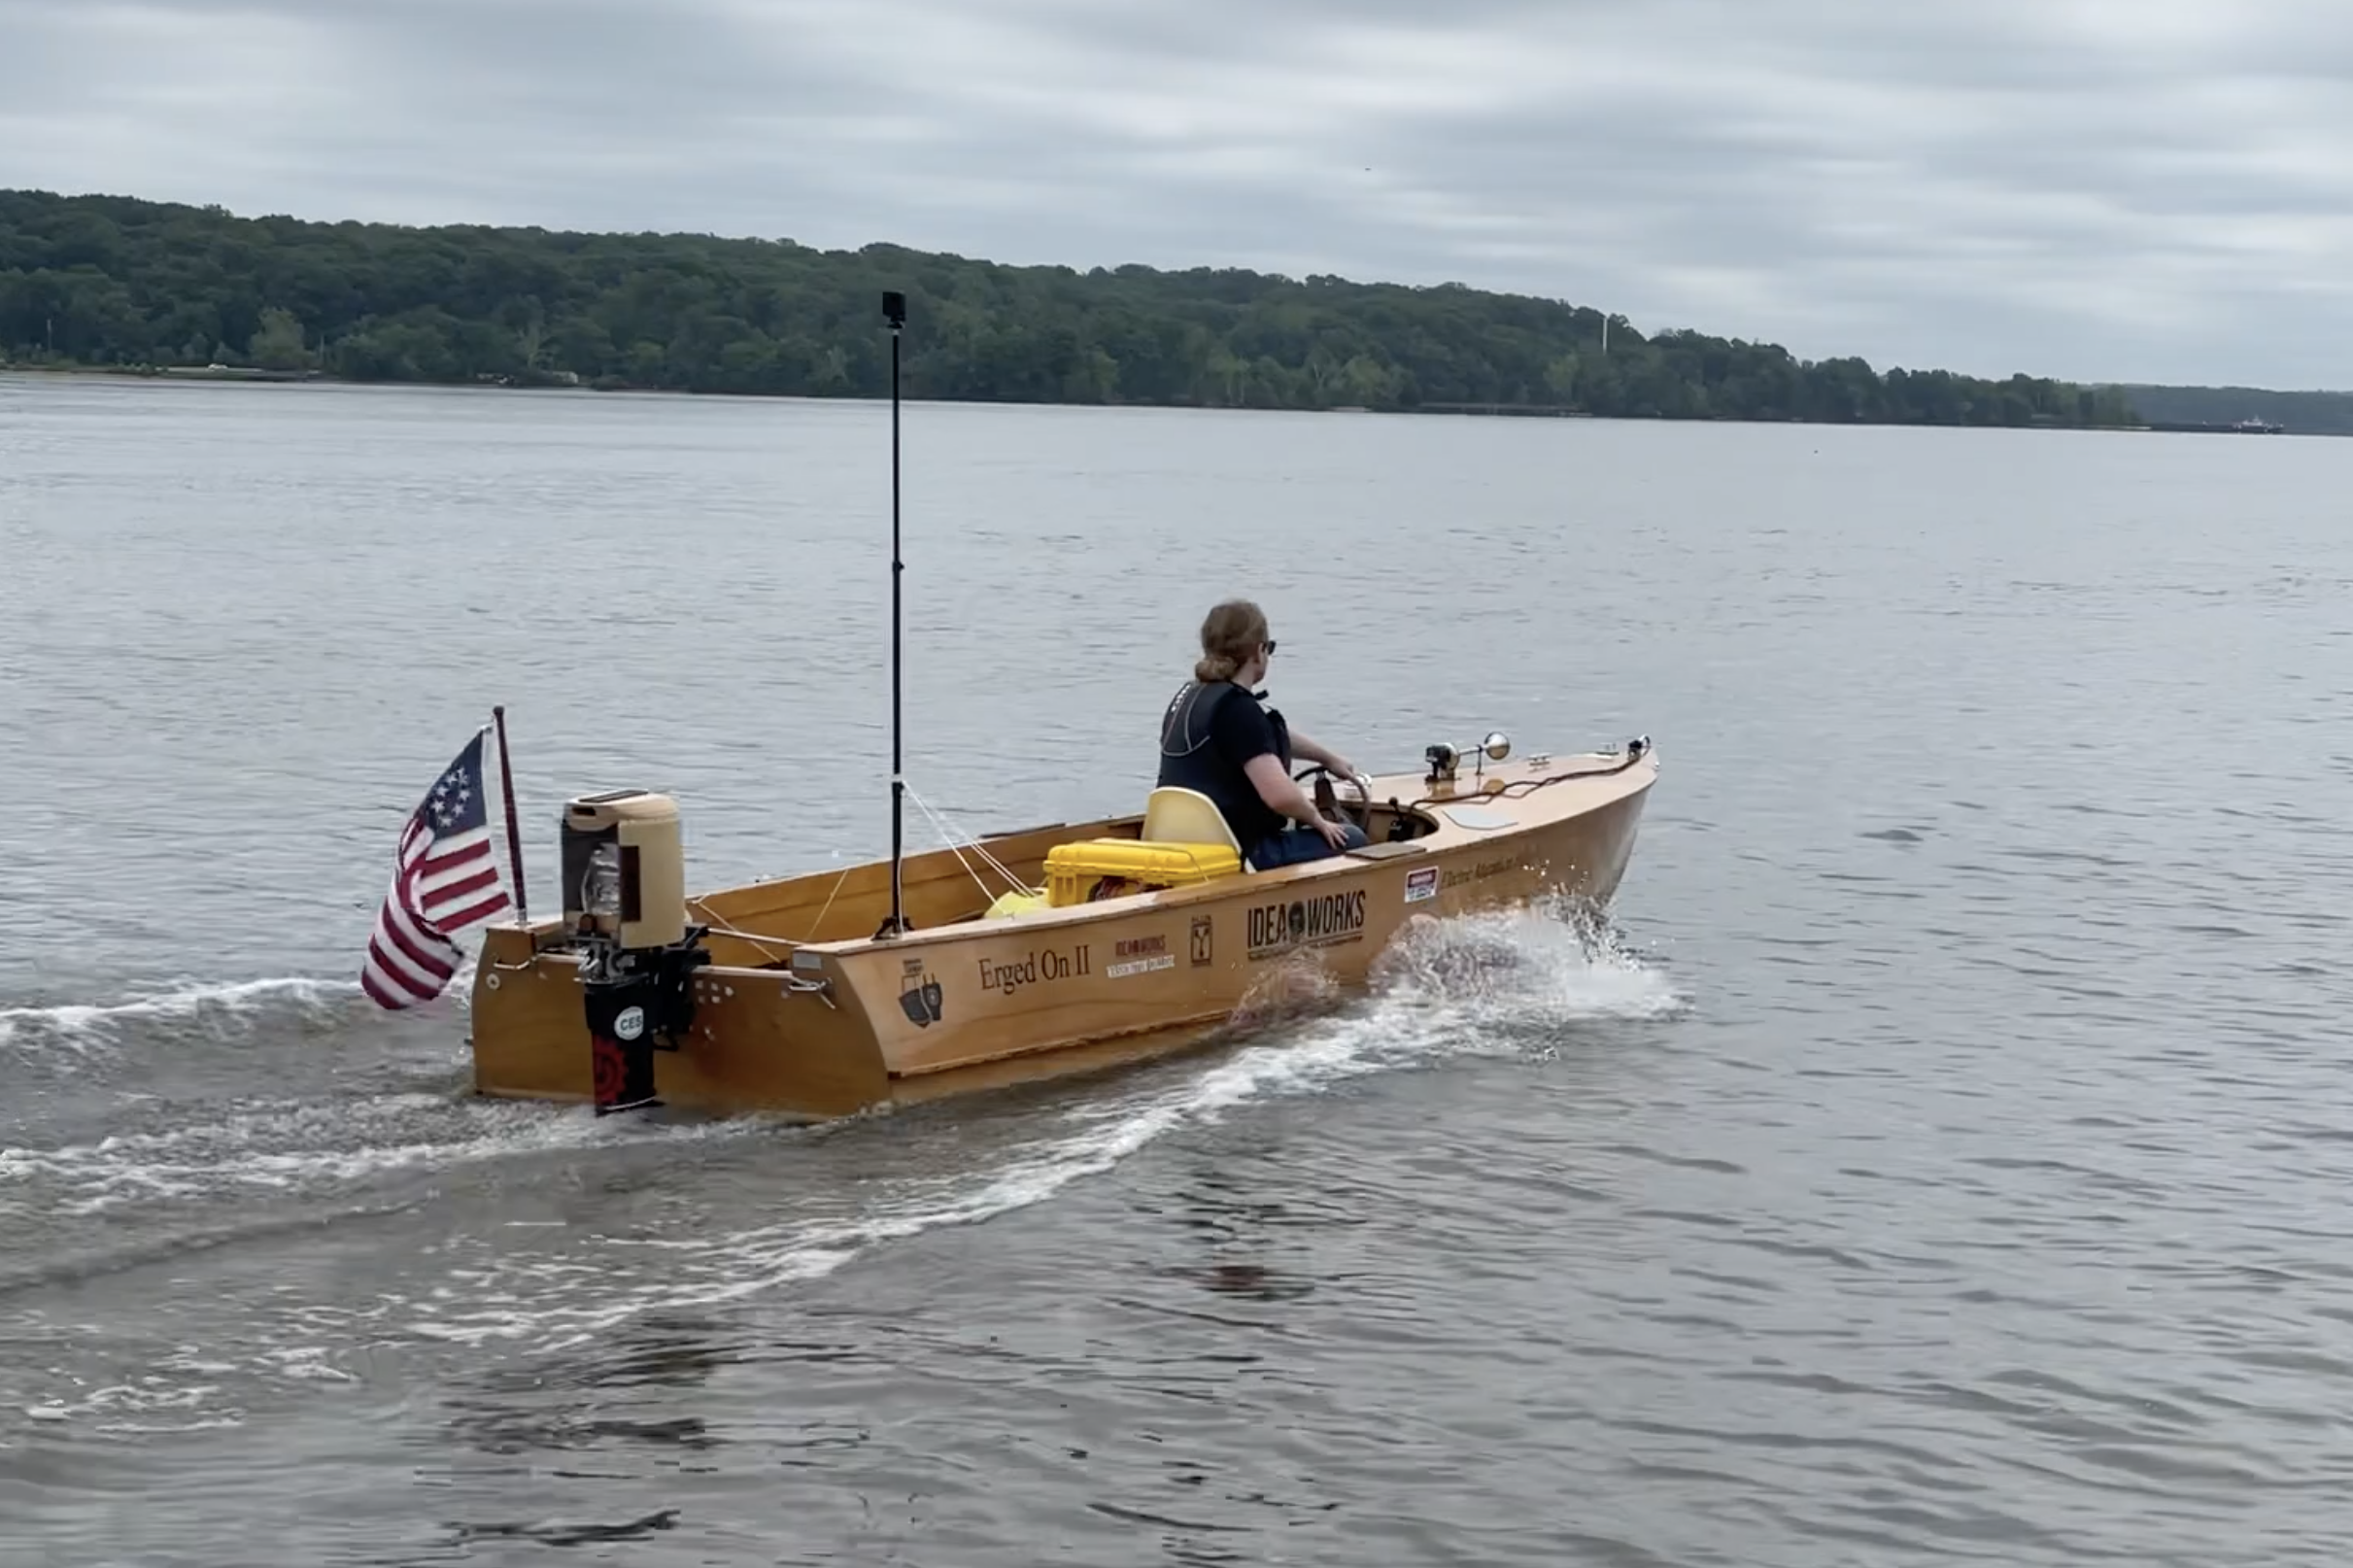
[215, 1010]
[315, 1149]
[548, 1227]
[1500, 984]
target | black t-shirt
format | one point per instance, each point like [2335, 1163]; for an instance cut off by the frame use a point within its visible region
[1206, 736]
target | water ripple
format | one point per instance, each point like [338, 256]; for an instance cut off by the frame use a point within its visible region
[1941, 1163]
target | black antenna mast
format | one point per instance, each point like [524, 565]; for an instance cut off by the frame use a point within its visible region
[893, 313]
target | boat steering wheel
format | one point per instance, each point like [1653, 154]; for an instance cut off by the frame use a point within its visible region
[1327, 798]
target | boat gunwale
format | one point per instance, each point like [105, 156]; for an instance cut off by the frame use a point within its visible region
[1443, 838]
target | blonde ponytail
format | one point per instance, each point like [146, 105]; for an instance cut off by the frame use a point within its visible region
[1231, 634]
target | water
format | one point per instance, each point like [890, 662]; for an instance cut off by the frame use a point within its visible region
[1939, 1158]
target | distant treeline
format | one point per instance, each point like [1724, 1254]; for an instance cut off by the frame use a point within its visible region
[105, 280]
[2305, 413]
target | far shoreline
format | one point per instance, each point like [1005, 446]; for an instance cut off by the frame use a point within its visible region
[216, 375]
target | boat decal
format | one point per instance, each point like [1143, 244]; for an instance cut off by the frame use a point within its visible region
[1326, 920]
[1039, 966]
[920, 996]
[1139, 955]
[1465, 875]
[1421, 883]
[1204, 940]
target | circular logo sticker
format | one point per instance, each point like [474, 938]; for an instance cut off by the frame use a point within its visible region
[631, 1024]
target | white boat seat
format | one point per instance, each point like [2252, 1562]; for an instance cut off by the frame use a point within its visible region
[1181, 816]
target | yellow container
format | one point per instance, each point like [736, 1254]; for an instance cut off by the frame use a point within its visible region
[1078, 873]
[1019, 902]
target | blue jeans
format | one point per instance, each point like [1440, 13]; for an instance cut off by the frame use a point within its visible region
[1296, 844]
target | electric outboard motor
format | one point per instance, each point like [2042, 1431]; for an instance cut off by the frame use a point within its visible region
[625, 899]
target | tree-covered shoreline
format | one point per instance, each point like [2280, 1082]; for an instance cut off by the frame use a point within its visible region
[123, 284]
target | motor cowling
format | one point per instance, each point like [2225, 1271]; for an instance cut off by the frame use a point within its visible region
[623, 873]
[625, 899]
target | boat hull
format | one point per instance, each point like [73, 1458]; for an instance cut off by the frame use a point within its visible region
[830, 1023]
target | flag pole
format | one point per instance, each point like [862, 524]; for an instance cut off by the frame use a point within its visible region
[514, 838]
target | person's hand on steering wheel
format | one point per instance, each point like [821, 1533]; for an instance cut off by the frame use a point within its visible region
[1341, 767]
[1336, 825]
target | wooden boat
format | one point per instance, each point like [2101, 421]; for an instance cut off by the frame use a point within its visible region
[1054, 949]
[1046, 952]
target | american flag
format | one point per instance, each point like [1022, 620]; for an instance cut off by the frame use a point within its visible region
[445, 879]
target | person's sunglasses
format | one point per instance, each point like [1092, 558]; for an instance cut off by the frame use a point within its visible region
[1268, 645]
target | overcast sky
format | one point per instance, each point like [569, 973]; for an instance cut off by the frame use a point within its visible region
[2132, 189]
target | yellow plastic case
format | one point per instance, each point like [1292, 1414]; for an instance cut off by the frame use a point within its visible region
[1072, 871]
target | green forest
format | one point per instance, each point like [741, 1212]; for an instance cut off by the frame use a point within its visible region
[109, 282]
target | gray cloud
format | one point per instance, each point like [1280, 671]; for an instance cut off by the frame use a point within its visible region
[2157, 190]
